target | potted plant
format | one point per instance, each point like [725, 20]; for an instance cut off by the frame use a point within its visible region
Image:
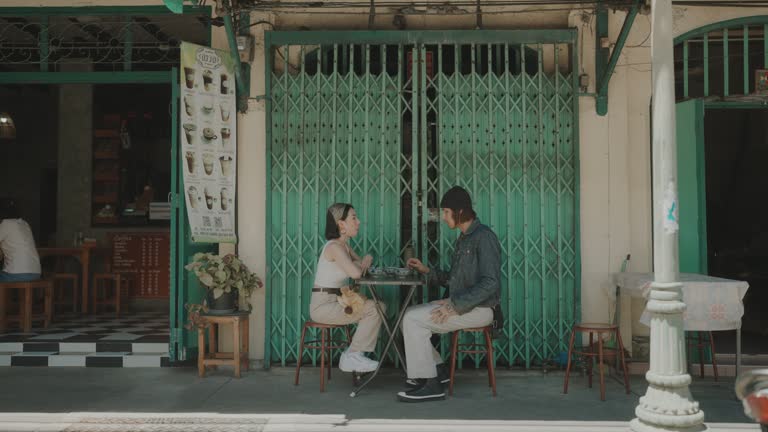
[225, 278]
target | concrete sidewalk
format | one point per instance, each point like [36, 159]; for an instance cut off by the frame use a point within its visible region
[270, 401]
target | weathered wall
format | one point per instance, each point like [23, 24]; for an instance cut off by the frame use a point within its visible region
[614, 150]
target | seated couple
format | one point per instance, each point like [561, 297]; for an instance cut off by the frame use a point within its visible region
[473, 282]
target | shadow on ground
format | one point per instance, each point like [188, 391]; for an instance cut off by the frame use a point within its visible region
[521, 396]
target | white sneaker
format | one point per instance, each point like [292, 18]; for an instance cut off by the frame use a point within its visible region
[356, 362]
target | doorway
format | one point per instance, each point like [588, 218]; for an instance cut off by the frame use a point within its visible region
[736, 154]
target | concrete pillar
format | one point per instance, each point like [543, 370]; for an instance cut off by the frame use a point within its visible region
[75, 150]
[668, 404]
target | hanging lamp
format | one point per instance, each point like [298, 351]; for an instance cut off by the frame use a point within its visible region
[7, 127]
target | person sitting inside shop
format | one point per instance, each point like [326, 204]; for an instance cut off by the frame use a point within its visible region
[17, 247]
[473, 283]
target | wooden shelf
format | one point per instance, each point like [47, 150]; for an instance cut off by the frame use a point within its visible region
[112, 220]
[106, 155]
[106, 133]
[112, 178]
[106, 169]
[104, 199]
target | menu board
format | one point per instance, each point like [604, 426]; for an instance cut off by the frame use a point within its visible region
[146, 256]
[209, 142]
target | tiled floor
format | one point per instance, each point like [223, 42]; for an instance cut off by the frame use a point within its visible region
[133, 340]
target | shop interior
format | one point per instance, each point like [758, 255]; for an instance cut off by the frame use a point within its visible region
[89, 168]
[737, 216]
[88, 165]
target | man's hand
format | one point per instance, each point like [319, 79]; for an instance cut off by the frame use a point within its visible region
[365, 264]
[441, 314]
[417, 265]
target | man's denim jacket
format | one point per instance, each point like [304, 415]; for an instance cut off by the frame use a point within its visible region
[475, 275]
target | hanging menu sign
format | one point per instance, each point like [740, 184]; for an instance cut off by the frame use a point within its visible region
[209, 142]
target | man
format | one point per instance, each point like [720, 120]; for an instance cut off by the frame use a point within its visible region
[473, 283]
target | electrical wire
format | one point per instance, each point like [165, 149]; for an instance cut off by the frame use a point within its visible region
[392, 13]
[262, 22]
[454, 7]
[642, 44]
[447, 9]
[451, 5]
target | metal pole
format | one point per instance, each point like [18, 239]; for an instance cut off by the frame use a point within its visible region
[667, 404]
[242, 90]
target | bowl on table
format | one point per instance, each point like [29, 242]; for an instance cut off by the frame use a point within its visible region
[376, 272]
[400, 272]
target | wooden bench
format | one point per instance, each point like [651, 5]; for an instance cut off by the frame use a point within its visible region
[25, 316]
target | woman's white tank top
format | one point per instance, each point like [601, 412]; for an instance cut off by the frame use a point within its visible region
[329, 274]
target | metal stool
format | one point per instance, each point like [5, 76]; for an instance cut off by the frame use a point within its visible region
[326, 345]
[596, 329]
[486, 348]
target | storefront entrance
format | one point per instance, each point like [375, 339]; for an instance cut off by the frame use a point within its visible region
[102, 151]
[721, 133]
[388, 121]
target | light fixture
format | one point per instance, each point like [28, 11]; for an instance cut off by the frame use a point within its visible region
[7, 126]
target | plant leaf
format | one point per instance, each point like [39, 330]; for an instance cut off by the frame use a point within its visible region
[206, 279]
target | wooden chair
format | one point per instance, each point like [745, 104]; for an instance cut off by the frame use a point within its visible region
[326, 346]
[471, 348]
[589, 353]
[700, 343]
[25, 316]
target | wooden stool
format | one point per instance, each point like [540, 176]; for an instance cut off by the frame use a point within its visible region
[25, 316]
[700, 345]
[239, 358]
[102, 284]
[326, 344]
[62, 281]
[486, 348]
[106, 281]
[599, 330]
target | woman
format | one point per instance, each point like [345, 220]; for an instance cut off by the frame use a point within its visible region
[337, 263]
[17, 248]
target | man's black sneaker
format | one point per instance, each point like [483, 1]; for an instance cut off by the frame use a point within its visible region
[442, 374]
[414, 383]
[432, 390]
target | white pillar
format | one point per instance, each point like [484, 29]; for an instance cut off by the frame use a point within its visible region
[667, 404]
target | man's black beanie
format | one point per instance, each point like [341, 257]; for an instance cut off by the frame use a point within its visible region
[456, 198]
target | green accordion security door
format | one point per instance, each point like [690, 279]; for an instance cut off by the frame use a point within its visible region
[388, 121]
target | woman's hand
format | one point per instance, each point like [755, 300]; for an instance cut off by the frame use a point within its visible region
[365, 264]
[417, 265]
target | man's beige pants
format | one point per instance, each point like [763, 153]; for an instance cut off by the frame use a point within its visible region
[324, 308]
[420, 357]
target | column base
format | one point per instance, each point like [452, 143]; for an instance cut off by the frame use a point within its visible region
[668, 409]
[638, 425]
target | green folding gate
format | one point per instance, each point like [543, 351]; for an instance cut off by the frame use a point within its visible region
[388, 121]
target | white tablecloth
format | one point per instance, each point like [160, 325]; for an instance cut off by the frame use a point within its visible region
[713, 303]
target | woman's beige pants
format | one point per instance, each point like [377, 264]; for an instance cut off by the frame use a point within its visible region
[325, 309]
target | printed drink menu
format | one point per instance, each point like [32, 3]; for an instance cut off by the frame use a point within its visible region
[208, 142]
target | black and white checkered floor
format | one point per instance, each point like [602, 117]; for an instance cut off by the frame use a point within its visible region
[134, 340]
